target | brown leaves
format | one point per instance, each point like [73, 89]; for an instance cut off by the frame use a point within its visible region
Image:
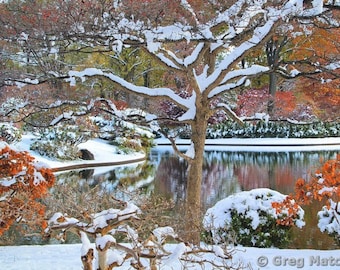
[287, 211]
[324, 184]
[20, 188]
[326, 181]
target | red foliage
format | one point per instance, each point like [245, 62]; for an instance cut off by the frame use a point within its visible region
[325, 97]
[253, 101]
[286, 104]
[22, 183]
[120, 104]
[155, 11]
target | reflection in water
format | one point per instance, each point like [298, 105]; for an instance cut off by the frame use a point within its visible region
[277, 171]
[169, 180]
[224, 173]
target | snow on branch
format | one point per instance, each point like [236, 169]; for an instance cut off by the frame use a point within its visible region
[154, 252]
[229, 112]
[316, 9]
[242, 74]
[194, 55]
[150, 92]
[228, 86]
[258, 36]
[166, 60]
[65, 115]
[171, 59]
[253, 70]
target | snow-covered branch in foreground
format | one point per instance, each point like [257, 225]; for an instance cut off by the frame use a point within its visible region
[152, 253]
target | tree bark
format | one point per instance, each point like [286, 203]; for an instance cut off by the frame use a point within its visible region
[102, 258]
[272, 91]
[87, 260]
[194, 181]
[274, 47]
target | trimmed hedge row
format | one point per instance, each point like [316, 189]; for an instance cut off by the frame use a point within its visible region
[266, 129]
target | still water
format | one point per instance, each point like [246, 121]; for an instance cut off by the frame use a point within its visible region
[224, 173]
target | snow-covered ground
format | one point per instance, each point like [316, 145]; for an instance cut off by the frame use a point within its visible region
[101, 150]
[54, 257]
[67, 257]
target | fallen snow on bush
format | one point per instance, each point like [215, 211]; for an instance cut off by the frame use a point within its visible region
[248, 215]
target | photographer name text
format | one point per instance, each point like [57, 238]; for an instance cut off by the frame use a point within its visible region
[263, 261]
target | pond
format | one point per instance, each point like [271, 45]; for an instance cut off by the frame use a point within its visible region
[228, 172]
[224, 173]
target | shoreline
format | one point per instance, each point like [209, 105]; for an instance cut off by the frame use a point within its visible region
[96, 164]
[232, 144]
[279, 142]
[105, 155]
[275, 145]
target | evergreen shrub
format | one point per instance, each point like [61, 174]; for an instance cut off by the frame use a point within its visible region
[271, 129]
[60, 142]
[9, 133]
[249, 218]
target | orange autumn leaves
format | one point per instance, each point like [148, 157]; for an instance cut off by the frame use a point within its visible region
[22, 184]
[287, 210]
[325, 184]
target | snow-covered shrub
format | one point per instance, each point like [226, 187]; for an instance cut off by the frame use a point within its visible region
[107, 128]
[9, 133]
[127, 136]
[249, 218]
[127, 145]
[277, 129]
[60, 142]
[329, 218]
[12, 106]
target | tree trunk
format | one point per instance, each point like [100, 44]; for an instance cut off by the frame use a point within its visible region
[272, 91]
[87, 260]
[274, 47]
[102, 258]
[194, 181]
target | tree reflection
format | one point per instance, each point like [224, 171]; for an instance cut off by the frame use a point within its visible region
[170, 177]
[225, 173]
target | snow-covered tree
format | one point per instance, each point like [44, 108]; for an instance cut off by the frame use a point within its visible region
[217, 37]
